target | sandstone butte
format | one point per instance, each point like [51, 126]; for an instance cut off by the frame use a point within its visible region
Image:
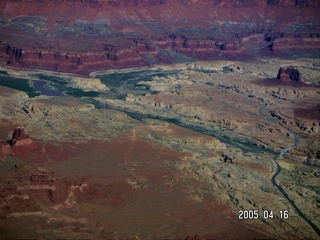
[19, 137]
[82, 36]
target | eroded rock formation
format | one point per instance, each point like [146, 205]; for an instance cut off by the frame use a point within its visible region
[133, 33]
[18, 135]
[195, 237]
[26, 186]
[289, 74]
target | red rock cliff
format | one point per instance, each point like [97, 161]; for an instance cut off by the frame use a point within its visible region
[81, 36]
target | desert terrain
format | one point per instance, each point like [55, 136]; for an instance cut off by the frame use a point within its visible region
[159, 119]
[180, 155]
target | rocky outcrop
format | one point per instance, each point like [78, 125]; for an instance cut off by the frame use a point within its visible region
[195, 237]
[289, 74]
[18, 135]
[226, 158]
[26, 188]
[294, 3]
[134, 33]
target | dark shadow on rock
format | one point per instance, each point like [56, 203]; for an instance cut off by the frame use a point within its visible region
[18, 134]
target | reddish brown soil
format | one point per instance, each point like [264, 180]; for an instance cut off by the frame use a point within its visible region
[258, 167]
[277, 82]
[39, 152]
[155, 206]
[180, 132]
[309, 113]
[128, 189]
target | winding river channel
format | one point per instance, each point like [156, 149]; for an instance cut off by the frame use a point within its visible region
[278, 170]
[245, 146]
[222, 139]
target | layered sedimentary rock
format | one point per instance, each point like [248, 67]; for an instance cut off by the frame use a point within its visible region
[84, 36]
[26, 185]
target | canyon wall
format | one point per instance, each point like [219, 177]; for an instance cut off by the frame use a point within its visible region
[81, 36]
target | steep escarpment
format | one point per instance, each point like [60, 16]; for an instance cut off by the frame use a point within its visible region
[83, 36]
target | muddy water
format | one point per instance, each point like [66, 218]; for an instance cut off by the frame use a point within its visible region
[244, 145]
[40, 86]
[120, 84]
[18, 84]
